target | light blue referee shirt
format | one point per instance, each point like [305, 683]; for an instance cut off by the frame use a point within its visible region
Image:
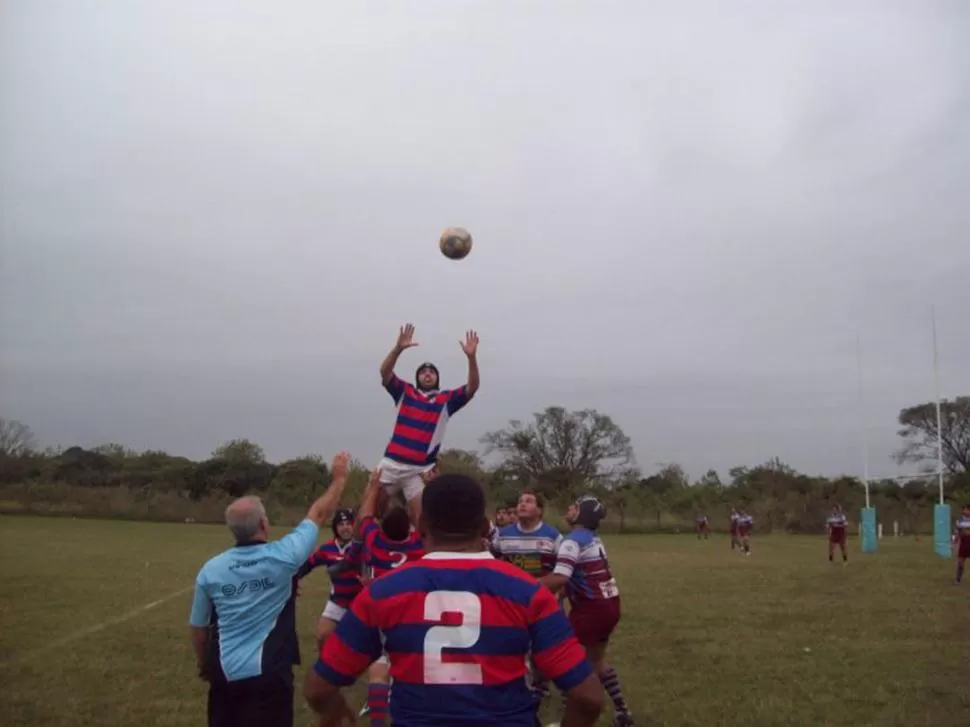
[248, 594]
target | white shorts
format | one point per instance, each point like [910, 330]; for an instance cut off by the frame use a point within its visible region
[382, 660]
[333, 612]
[398, 476]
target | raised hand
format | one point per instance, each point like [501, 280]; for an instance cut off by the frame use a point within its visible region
[470, 344]
[405, 338]
[340, 466]
[375, 478]
[426, 477]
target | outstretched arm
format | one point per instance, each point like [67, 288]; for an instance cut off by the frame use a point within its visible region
[368, 504]
[322, 509]
[405, 340]
[470, 347]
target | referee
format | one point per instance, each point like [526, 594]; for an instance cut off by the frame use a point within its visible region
[243, 624]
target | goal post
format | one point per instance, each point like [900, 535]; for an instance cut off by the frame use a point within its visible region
[941, 530]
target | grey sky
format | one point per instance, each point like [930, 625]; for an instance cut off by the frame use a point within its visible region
[215, 215]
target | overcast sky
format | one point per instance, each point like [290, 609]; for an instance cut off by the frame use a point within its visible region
[216, 214]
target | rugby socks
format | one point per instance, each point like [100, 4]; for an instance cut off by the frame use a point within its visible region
[959, 572]
[377, 703]
[611, 683]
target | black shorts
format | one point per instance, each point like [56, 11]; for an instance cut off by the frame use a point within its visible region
[263, 701]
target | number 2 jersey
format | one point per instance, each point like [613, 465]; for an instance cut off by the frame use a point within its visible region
[456, 628]
[582, 559]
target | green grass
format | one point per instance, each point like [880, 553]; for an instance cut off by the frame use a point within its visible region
[707, 638]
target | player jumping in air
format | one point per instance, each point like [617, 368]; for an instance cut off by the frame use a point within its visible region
[961, 541]
[702, 527]
[745, 523]
[583, 570]
[531, 544]
[457, 626]
[423, 411]
[734, 528]
[344, 583]
[837, 524]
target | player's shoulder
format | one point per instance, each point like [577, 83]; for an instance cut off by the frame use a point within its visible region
[508, 531]
[549, 531]
[580, 536]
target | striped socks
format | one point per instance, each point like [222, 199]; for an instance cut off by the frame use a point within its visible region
[611, 683]
[377, 703]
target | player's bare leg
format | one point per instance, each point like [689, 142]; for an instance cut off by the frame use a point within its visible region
[611, 683]
[414, 510]
[378, 689]
[325, 627]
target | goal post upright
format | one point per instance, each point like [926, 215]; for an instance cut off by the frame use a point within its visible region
[869, 529]
[941, 511]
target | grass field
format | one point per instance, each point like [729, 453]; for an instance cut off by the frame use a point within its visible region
[708, 637]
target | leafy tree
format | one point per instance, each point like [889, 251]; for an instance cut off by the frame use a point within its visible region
[918, 429]
[16, 438]
[297, 481]
[562, 450]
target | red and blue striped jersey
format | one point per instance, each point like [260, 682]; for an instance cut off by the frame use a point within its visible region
[457, 628]
[421, 420]
[378, 553]
[345, 585]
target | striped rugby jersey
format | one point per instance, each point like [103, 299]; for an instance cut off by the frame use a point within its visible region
[837, 522]
[963, 528]
[534, 550]
[422, 418]
[344, 586]
[457, 628]
[582, 559]
[379, 554]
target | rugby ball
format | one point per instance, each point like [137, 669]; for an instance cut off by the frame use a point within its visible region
[455, 243]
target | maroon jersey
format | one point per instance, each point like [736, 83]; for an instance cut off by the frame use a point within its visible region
[582, 559]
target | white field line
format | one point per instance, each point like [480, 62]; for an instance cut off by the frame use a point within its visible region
[70, 638]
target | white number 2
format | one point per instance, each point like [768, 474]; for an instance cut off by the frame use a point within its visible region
[451, 637]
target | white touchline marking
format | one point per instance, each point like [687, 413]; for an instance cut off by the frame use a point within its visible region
[100, 627]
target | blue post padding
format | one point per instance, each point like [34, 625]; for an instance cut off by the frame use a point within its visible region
[870, 541]
[941, 530]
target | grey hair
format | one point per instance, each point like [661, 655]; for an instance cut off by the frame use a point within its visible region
[244, 517]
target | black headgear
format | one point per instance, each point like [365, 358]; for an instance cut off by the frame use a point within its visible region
[427, 365]
[591, 512]
[343, 515]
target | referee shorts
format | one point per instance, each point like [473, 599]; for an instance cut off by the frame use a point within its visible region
[263, 701]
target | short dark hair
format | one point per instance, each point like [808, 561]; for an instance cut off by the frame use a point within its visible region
[454, 508]
[396, 524]
[536, 495]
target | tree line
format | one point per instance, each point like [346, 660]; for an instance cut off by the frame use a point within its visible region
[558, 452]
